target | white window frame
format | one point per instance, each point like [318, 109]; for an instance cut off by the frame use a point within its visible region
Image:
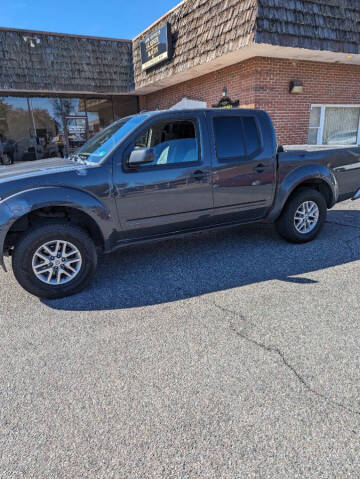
[323, 107]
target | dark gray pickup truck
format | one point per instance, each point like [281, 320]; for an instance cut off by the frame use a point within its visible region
[159, 174]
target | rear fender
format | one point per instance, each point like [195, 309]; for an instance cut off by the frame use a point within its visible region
[303, 174]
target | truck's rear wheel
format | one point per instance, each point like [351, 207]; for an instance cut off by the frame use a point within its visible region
[54, 260]
[303, 216]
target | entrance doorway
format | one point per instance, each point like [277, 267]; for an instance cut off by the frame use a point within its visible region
[76, 132]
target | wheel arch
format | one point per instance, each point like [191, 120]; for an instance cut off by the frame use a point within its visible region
[53, 214]
[44, 204]
[317, 177]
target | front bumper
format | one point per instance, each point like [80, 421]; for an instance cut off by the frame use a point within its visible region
[357, 195]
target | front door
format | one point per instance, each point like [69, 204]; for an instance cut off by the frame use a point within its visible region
[174, 192]
[76, 132]
[243, 167]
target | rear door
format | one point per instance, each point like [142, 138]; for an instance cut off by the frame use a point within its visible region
[174, 192]
[244, 170]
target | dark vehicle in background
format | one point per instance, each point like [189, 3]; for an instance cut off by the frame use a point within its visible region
[7, 150]
[156, 175]
[36, 148]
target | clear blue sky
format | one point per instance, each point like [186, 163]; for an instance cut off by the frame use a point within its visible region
[103, 18]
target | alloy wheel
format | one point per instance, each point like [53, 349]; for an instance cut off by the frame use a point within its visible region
[306, 217]
[57, 262]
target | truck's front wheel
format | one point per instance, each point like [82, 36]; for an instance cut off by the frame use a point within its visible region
[54, 260]
[303, 216]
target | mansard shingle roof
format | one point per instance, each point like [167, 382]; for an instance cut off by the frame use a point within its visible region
[332, 25]
[59, 62]
[202, 30]
[206, 29]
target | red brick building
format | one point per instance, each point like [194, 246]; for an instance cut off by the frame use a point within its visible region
[254, 51]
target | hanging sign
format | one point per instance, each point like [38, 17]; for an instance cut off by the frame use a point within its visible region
[156, 47]
[227, 103]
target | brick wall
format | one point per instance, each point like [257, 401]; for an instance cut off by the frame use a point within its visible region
[264, 83]
[238, 79]
[324, 83]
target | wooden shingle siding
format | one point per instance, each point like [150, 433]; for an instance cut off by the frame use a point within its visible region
[332, 25]
[206, 29]
[64, 63]
[202, 30]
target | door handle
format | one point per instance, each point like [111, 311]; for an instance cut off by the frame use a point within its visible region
[260, 168]
[198, 175]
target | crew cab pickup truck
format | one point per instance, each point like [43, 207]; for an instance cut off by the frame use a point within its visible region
[159, 174]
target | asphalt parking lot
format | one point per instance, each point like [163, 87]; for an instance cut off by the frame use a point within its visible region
[228, 355]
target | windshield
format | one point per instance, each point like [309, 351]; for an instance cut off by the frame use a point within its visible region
[102, 143]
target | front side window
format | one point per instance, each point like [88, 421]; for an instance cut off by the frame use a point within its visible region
[107, 139]
[173, 142]
[333, 125]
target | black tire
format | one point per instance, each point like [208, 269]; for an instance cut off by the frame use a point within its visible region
[286, 223]
[33, 239]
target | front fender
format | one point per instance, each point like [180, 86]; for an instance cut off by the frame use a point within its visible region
[20, 204]
[5, 224]
[290, 182]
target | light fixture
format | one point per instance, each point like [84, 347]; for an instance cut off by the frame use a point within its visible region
[224, 92]
[349, 57]
[296, 87]
[31, 41]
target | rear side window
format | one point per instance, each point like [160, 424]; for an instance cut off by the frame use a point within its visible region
[251, 135]
[236, 137]
[229, 137]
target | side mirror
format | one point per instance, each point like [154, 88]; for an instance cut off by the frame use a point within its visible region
[141, 156]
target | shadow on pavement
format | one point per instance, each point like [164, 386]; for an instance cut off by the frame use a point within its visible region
[214, 261]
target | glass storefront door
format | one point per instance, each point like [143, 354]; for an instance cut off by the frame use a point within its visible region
[84, 118]
[77, 132]
[46, 126]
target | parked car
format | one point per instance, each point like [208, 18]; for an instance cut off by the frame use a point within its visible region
[37, 148]
[156, 175]
[7, 151]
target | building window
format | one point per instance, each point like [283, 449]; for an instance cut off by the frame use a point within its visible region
[18, 129]
[34, 128]
[334, 125]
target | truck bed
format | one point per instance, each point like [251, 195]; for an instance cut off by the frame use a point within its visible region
[344, 162]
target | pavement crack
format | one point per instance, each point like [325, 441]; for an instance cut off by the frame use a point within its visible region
[343, 224]
[350, 246]
[286, 363]
[348, 242]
